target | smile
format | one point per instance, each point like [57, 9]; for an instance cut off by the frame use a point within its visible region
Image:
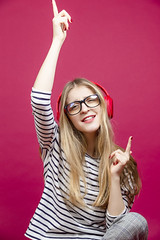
[88, 118]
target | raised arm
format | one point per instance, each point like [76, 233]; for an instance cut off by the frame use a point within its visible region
[45, 78]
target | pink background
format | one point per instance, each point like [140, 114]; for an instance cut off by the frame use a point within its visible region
[115, 43]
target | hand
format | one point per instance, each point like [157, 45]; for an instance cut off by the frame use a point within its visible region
[60, 22]
[120, 159]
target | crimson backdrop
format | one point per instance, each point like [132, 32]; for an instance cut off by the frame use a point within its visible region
[115, 43]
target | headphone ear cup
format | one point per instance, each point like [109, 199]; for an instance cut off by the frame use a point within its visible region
[109, 103]
[108, 100]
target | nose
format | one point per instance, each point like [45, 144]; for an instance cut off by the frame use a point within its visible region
[84, 108]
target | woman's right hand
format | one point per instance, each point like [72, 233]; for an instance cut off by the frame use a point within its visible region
[61, 22]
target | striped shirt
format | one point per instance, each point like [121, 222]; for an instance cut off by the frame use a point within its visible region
[56, 217]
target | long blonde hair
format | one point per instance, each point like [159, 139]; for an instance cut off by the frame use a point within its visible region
[74, 146]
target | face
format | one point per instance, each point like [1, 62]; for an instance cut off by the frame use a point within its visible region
[87, 120]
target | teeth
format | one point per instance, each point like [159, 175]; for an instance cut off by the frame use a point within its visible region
[88, 118]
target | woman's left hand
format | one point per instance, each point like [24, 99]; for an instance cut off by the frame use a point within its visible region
[120, 159]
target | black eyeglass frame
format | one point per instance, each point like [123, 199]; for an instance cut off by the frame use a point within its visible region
[80, 102]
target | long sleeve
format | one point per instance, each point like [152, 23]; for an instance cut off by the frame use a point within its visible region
[45, 125]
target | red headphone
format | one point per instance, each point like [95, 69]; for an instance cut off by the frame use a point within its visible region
[107, 98]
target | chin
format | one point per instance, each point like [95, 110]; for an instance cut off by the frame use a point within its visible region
[91, 130]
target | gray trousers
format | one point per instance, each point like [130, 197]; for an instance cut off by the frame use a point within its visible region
[131, 226]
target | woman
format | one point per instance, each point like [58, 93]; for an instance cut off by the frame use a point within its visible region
[90, 183]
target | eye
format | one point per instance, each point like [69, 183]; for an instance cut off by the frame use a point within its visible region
[92, 101]
[92, 98]
[73, 106]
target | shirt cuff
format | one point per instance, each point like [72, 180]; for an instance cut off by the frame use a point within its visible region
[115, 216]
[40, 91]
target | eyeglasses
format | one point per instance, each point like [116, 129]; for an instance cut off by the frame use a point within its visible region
[91, 101]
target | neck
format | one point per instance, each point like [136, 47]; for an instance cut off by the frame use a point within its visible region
[91, 141]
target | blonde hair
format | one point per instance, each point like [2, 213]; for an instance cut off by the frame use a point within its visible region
[74, 146]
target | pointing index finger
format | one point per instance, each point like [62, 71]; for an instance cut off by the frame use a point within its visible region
[55, 9]
[128, 148]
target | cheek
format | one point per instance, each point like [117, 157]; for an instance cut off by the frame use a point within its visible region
[99, 112]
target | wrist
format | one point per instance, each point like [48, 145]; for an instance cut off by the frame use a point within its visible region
[58, 41]
[115, 178]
